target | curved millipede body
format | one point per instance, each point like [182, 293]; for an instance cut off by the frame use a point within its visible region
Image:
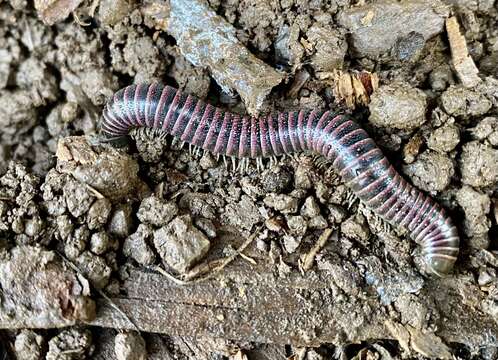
[352, 152]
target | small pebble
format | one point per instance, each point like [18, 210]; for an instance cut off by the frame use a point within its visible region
[99, 242]
[130, 346]
[282, 202]
[180, 244]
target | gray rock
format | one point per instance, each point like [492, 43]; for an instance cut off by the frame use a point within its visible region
[113, 11]
[479, 164]
[310, 208]
[277, 179]
[282, 202]
[398, 106]
[431, 172]
[121, 221]
[28, 345]
[64, 226]
[441, 77]
[180, 244]
[76, 243]
[32, 280]
[297, 225]
[330, 47]
[78, 198]
[302, 178]
[476, 207]
[112, 173]
[460, 101]
[99, 243]
[136, 245]
[207, 161]
[291, 243]
[243, 214]
[157, 212]
[356, 228]
[17, 114]
[317, 222]
[336, 214]
[444, 139]
[487, 128]
[409, 47]
[98, 213]
[199, 204]
[70, 344]
[288, 49]
[207, 227]
[375, 27]
[94, 268]
[208, 40]
[130, 346]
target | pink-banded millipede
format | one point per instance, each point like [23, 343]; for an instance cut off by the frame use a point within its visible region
[352, 152]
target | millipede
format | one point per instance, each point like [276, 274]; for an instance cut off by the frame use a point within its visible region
[352, 153]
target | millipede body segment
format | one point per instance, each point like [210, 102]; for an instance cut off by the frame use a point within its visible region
[352, 152]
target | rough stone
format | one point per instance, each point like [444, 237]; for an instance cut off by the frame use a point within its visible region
[94, 268]
[460, 101]
[479, 164]
[28, 345]
[112, 173]
[317, 222]
[180, 244]
[98, 213]
[444, 139]
[38, 291]
[111, 11]
[130, 346]
[297, 225]
[375, 27]
[277, 179]
[136, 245]
[99, 243]
[121, 221]
[431, 171]
[243, 214]
[302, 178]
[78, 198]
[70, 344]
[282, 202]
[157, 212]
[356, 229]
[291, 243]
[330, 47]
[398, 106]
[310, 208]
[487, 129]
[476, 207]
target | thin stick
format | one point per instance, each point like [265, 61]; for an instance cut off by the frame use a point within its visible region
[310, 256]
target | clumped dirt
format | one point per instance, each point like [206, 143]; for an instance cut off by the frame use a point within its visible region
[99, 241]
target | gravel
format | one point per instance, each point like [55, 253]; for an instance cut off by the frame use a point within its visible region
[479, 164]
[431, 171]
[374, 28]
[130, 346]
[398, 106]
[180, 244]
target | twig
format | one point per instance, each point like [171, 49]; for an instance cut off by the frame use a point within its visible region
[212, 267]
[310, 256]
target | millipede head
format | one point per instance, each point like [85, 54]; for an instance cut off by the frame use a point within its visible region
[440, 266]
